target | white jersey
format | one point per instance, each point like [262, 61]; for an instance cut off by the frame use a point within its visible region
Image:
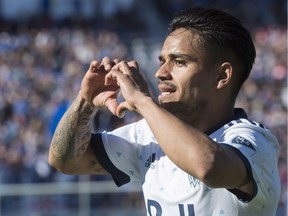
[132, 154]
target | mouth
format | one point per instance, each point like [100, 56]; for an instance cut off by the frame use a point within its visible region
[165, 93]
[166, 89]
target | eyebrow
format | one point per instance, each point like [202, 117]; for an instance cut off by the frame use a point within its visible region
[179, 55]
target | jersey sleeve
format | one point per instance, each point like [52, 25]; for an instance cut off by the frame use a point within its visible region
[116, 151]
[258, 149]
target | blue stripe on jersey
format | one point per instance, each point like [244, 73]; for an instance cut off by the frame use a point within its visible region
[118, 176]
[244, 197]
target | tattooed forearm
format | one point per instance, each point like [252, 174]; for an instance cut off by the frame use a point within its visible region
[73, 132]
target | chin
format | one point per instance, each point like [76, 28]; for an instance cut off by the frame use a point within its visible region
[172, 107]
[181, 109]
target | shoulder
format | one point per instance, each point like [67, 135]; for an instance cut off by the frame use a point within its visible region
[244, 131]
[260, 150]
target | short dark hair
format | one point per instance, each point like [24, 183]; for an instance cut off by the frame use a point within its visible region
[218, 27]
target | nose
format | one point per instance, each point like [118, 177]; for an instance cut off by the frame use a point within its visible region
[163, 73]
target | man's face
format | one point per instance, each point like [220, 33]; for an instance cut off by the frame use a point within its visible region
[187, 75]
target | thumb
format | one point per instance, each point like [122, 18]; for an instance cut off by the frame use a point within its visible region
[122, 108]
[112, 104]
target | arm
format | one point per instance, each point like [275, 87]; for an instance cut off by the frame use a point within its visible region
[193, 151]
[190, 149]
[70, 150]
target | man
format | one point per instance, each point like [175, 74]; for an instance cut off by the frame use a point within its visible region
[193, 152]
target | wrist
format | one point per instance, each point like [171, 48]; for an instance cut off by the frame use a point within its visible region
[144, 104]
[83, 104]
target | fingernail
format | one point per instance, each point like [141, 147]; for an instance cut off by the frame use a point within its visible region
[108, 67]
[122, 114]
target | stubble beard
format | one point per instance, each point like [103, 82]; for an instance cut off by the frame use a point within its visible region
[189, 113]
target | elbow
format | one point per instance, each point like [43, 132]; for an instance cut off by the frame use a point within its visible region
[59, 166]
[208, 177]
[209, 174]
[56, 164]
[211, 170]
[217, 176]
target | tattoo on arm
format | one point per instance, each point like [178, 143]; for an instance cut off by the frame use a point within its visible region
[73, 133]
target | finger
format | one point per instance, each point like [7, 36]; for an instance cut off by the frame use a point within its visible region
[106, 62]
[138, 76]
[110, 67]
[115, 61]
[124, 68]
[112, 75]
[108, 78]
[112, 104]
[117, 64]
[133, 64]
[131, 69]
[94, 66]
[122, 108]
[117, 71]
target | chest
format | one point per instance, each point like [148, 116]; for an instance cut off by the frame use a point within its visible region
[160, 176]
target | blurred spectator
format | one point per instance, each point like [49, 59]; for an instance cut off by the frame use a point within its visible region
[41, 70]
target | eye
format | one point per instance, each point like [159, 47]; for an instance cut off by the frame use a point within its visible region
[179, 62]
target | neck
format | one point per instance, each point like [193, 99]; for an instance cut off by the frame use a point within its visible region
[204, 120]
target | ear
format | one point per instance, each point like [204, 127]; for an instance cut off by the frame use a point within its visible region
[225, 75]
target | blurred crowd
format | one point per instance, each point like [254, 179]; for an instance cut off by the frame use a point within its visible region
[40, 75]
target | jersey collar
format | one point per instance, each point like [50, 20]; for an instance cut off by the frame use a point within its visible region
[238, 113]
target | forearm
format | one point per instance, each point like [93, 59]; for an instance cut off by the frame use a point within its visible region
[73, 133]
[192, 150]
[181, 142]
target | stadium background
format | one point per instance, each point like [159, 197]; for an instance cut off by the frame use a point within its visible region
[45, 48]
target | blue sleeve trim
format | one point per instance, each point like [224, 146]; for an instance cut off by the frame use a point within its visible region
[244, 197]
[118, 176]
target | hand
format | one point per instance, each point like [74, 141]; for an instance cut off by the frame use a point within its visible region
[93, 88]
[131, 82]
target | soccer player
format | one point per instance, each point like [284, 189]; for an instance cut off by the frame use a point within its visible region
[193, 152]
